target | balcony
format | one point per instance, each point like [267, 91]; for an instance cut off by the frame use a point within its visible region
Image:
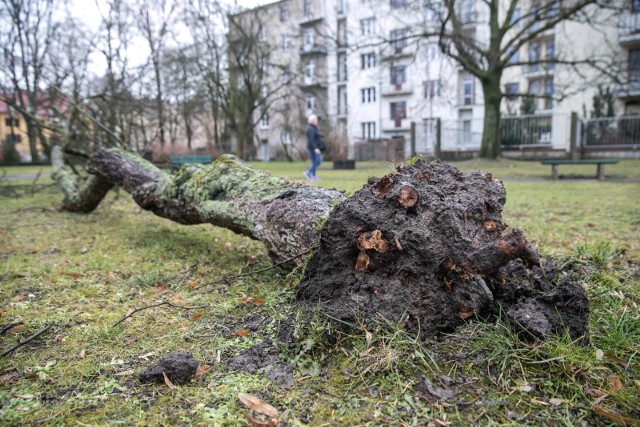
[629, 91]
[629, 29]
[539, 70]
[391, 53]
[396, 90]
[316, 49]
[313, 83]
[396, 125]
[310, 20]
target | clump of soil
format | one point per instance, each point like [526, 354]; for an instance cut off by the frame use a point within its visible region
[179, 368]
[424, 247]
[264, 358]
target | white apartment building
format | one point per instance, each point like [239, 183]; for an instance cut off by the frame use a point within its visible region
[364, 67]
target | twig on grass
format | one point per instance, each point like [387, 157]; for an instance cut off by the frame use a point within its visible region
[6, 328]
[182, 307]
[251, 273]
[31, 338]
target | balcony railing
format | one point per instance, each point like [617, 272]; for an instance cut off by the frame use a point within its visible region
[627, 90]
[629, 28]
[396, 89]
[391, 125]
[315, 49]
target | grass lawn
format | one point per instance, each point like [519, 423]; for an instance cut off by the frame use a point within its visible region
[82, 273]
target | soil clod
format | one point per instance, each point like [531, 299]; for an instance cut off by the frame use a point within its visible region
[178, 367]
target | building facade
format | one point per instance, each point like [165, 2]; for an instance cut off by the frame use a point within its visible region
[368, 69]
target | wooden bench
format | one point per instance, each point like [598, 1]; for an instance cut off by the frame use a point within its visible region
[600, 162]
[176, 161]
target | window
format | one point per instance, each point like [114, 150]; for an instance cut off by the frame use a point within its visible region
[551, 53]
[308, 38]
[511, 91]
[534, 87]
[309, 71]
[432, 89]
[264, 91]
[398, 112]
[467, 89]
[515, 56]
[368, 60]
[284, 12]
[307, 7]
[515, 18]
[286, 137]
[368, 130]
[534, 56]
[262, 34]
[433, 12]
[397, 4]
[342, 67]
[398, 74]
[286, 76]
[342, 100]
[432, 51]
[310, 103]
[342, 32]
[536, 17]
[285, 41]
[548, 93]
[399, 39]
[367, 26]
[554, 9]
[263, 64]
[635, 6]
[264, 121]
[634, 65]
[368, 95]
[468, 14]
[8, 121]
[342, 6]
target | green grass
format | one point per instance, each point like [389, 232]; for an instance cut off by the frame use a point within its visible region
[84, 272]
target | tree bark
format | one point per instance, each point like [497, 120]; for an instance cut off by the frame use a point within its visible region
[422, 247]
[490, 148]
[282, 214]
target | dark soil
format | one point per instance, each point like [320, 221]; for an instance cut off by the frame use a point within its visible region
[179, 368]
[264, 358]
[424, 247]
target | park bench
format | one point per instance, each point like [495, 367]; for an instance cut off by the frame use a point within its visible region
[176, 161]
[600, 162]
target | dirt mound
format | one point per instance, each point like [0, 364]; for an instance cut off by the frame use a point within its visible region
[424, 247]
[179, 368]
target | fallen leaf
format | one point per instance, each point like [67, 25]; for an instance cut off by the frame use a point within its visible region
[556, 402]
[246, 298]
[253, 402]
[218, 356]
[616, 360]
[177, 299]
[599, 354]
[10, 378]
[116, 361]
[124, 373]
[465, 314]
[146, 356]
[72, 274]
[16, 329]
[637, 382]
[525, 388]
[168, 382]
[368, 336]
[196, 316]
[539, 402]
[22, 408]
[259, 301]
[111, 277]
[259, 423]
[192, 284]
[202, 370]
[614, 417]
[26, 396]
[362, 262]
[159, 289]
[83, 354]
[19, 297]
[614, 383]
[242, 332]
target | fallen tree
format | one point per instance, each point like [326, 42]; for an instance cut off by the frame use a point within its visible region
[423, 247]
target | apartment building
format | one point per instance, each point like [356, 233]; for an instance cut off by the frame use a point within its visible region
[365, 66]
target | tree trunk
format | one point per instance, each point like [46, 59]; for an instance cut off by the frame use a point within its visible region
[490, 148]
[422, 247]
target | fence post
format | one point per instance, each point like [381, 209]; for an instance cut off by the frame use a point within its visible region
[437, 148]
[413, 139]
[573, 137]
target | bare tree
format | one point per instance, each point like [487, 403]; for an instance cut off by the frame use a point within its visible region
[155, 22]
[29, 32]
[512, 26]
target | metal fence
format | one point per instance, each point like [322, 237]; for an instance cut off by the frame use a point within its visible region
[380, 150]
[612, 132]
